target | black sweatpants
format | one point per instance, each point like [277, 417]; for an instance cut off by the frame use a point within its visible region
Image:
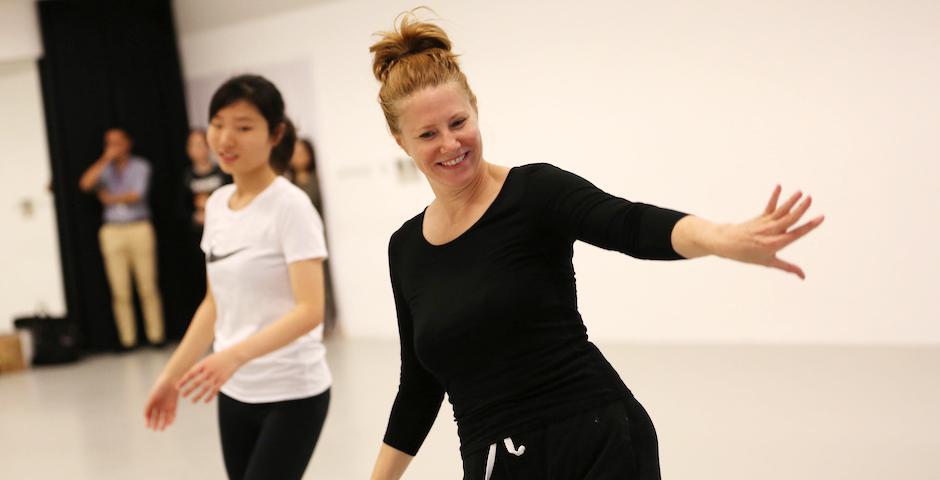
[270, 440]
[614, 442]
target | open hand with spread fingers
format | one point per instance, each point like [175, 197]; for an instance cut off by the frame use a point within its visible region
[758, 240]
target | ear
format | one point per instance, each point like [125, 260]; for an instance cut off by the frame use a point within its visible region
[399, 142]
[278, 134]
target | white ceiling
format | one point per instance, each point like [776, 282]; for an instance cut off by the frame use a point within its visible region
[198, 15]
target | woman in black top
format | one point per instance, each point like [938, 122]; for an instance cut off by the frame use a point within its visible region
[202, 178]
[302, 171]
[485, 292]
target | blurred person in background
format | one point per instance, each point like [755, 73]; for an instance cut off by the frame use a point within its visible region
[302, 172]
[127, 239]
[202, 177]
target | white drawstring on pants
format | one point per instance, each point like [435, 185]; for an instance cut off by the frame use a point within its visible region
[491, 455]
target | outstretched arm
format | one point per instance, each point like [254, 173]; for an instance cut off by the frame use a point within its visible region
[755, 241]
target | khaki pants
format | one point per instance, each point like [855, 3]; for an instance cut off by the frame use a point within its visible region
[131, 247]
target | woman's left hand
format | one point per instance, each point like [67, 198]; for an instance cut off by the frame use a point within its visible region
[207, 377]
[758, 240]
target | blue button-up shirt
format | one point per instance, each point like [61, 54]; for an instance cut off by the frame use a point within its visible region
[133, 178]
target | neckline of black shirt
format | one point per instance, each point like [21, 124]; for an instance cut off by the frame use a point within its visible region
[490, 208]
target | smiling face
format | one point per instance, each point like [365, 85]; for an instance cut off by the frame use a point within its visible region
[238, 135]
[438, 129]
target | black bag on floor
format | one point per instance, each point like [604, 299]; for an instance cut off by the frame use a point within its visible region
[55, 339]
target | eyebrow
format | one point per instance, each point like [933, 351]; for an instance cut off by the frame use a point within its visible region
[451, 119]
[236, 119]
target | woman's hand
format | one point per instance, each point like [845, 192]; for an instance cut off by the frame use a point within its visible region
[207, 377]
[161, 405]
[758, 240]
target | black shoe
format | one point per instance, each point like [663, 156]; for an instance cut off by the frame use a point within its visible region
[120, 348]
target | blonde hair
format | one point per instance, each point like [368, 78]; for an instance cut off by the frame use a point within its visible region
[414, 56]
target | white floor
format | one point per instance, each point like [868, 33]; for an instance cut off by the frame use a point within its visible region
[722, 412]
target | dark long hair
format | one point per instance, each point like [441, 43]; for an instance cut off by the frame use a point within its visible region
[308, 146]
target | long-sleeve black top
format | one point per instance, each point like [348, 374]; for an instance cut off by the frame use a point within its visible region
[491, 318]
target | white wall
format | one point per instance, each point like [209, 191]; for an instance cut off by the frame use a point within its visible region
[697, 106]
[29, 258]
[19, 31]
[30, 270]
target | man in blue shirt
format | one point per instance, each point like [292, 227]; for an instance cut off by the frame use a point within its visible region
[127, 239]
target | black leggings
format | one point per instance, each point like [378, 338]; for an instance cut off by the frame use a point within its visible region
[270, 440]
[613, 442]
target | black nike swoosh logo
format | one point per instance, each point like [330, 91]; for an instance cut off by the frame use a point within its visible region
[212, 258]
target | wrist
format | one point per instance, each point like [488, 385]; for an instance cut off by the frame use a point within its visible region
[168, 378]
[238, 354]
[718, 239]
[695, 237]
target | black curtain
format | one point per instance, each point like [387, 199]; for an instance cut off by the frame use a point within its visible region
[110, 64]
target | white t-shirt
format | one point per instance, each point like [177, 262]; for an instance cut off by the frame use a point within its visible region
[247, 253]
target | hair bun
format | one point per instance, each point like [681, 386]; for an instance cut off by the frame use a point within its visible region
[411, 37]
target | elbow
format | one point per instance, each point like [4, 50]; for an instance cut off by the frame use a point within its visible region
[315, 321]
[312, 318]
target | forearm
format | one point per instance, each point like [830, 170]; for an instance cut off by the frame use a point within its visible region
[90, 177]
[130, 197]
[300, 320]
[195, 343]
[391, 464]
[755, 241]
[694, 237]
[107, 199]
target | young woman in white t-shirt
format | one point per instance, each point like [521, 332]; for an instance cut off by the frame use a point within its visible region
[263, 309]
